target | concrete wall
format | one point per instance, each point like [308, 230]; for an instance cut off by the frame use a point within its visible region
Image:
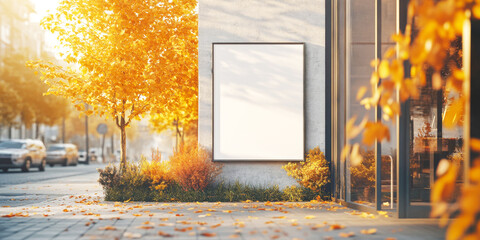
[264, 21]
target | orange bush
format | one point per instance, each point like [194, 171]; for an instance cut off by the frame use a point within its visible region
[193, 168]
[157, 170]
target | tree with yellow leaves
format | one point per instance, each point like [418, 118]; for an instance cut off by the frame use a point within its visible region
[182, 118]
[131, 56]
[428, 44]
[21, 97]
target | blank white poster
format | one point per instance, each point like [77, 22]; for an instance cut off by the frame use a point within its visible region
[258, 101]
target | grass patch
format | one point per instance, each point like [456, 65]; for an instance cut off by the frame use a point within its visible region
[214, 193]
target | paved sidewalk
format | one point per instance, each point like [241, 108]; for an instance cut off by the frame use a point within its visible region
[84, 215]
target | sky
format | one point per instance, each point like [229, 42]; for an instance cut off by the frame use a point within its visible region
[41, 10]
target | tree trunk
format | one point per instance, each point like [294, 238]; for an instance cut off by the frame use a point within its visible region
[112, 142]
[63, 130]
[124, 144]
[37, 130]
[103, 148]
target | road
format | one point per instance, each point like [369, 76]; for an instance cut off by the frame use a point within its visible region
[16, 176]
[18, 188]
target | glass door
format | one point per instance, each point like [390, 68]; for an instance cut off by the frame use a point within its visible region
[429, 142]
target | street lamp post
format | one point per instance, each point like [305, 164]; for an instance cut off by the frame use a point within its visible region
[87, 155]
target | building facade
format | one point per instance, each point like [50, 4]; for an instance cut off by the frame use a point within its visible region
[261, 21]
[341, 38]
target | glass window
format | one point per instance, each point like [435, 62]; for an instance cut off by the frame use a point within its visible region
[430, 141]
[388, 150]
[360, 52]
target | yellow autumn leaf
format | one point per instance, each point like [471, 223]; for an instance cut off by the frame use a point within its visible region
[107, 228]
[336, 227]
[355, 156]
[475, 144]
[384, 69]
[369, 231]
[361, 92]
[347, 234]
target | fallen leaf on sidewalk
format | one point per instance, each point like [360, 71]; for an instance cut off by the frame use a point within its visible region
[19, 214]
[164, 234]
[346, 235]
[137, 215]
[111, 228]
[309, 217]
[368, 231]
[215, 226]
[146, 227]
[336, 226]
[183, 229]
[184, 222]
[234, 236]
[207, 234]
[166, 224]
[317, 226]
[132, 235]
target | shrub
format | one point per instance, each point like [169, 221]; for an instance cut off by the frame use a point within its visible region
[193, 168]
[313, 173]
[130, 184]
[293, 194]
[109, 176]
[157, 171]
[363, 175]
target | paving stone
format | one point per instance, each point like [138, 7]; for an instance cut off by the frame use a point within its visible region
[224, 220]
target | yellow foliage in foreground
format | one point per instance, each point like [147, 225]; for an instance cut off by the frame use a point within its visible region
[427, 45]
[313, 173]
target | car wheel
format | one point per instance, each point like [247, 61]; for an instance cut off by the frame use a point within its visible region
[51, 164]
[5, 169]
[41, 168]
[65, 162]
[75, 162]
[26, 165]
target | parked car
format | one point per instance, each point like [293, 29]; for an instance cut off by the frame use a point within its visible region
[63, 153]
[96, 155]
[82, 157]
[24, 154]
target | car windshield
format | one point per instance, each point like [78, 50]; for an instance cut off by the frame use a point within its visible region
[12, 145]
[55, 148]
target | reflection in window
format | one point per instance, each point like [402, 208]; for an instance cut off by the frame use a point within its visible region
[430, 141]
[360, 50]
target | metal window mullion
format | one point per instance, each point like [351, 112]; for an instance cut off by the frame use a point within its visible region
[402, 128]
[378, 114]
